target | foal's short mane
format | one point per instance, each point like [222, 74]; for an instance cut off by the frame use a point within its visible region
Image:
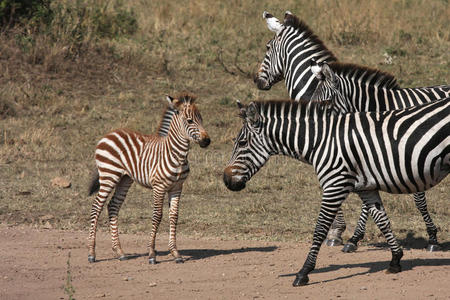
[164, 125]
[296, 23]
[377, 78]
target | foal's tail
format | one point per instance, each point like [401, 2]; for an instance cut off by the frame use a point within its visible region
[95, 183]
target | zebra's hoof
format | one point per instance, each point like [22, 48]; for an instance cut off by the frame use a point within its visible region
[91, 258]
[349, 248]
[123, 257]
[333, 242]
[300, 280]
[433, 247]
[152, 261]
[179, 260]
[394, 269]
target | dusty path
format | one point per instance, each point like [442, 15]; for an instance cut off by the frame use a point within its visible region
[35, 264]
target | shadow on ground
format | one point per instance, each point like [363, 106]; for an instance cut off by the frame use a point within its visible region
[196, 254]
[412, 242]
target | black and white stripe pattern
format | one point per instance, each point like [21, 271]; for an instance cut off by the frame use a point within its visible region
[400, 151]
[289, 55]
[365, 89]
[155, 161]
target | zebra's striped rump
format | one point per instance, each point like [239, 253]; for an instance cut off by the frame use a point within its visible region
[158, 161]
[400, 151]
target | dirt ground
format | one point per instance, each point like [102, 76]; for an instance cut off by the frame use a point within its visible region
[36, 264]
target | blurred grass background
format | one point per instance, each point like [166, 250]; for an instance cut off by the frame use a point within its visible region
[78, 69]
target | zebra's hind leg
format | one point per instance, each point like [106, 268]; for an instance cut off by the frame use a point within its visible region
[174, 198]
[373, 201]
[334, 237]
[421, 204]
[106, 185]
[158, 198]
[352, 243]
[113, 212]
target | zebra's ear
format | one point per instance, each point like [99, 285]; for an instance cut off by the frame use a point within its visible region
[273, 23]
[316, 69]
[242, 112]
[328, 73]
[252, 113]
[172, 102]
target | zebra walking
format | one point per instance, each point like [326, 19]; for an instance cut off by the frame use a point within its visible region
[158, 162]
[400, 151]
[289, 55]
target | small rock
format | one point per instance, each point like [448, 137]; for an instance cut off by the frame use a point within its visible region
[152, 284]
[61, 182]
[363, 288]
[127, 278]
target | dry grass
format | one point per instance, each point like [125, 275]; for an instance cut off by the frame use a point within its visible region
[55, 106]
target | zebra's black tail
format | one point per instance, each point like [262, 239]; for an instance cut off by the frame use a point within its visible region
[95, 183]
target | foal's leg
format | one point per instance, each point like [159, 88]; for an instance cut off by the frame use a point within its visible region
[174, 198]
[158, 198]
[107, 184]
[421, 204]
[113, 212]
[373, 201]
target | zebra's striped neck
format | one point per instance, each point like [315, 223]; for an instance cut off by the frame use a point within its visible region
[299, 45]
[177, 140]
[295, 129]
[164, 125]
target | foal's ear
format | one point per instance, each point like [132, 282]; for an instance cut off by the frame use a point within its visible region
[241, 108]
[329, 74]
[316, 69]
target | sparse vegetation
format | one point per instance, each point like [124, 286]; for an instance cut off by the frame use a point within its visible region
[100, 65]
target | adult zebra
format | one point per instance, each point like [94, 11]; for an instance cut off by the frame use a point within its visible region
[155, 161]
[405, 151]
[289, 56]
[358, 85]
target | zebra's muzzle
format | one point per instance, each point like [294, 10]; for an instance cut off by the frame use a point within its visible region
[232, 182]
[261, 83]
[204, 142]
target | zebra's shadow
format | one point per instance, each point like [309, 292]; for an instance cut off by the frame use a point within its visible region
[412, 242]
[197, 254]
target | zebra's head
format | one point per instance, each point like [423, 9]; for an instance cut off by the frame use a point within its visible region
[250, 151]
[328, 90]
[190, 119]
[271, 69]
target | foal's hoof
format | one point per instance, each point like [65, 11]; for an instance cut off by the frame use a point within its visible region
[333, 242]
[123, 257]
[433, 247]
[152, 261]
[394, 269]
[349, 248]
[179, 260]
[300, 280]
[91, 258]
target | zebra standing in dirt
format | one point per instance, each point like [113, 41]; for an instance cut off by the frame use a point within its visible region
[159, 162]
[400, 151]
[289, 56]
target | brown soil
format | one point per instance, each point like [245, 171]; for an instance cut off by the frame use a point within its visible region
[35, 266]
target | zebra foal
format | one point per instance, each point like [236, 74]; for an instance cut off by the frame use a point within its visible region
[400, 151]
[158, 162]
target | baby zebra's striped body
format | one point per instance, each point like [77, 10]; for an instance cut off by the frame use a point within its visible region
[156, 161]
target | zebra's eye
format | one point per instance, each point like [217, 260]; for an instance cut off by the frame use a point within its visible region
[190, 121]
[242, 143]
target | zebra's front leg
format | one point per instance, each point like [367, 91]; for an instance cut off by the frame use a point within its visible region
[334, 237]
[373, 202]
[174, 198]
[331, 202]
[352, 243]
[421, 204]
[158, 198]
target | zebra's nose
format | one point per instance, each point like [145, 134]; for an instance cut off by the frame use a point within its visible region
[204, 142]
[230, 182]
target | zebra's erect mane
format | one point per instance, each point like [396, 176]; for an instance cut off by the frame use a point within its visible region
[316, 106]
[164, 125]
[296, 23]
[370, 76]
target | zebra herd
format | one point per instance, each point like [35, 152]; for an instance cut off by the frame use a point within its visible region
[360, 131]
